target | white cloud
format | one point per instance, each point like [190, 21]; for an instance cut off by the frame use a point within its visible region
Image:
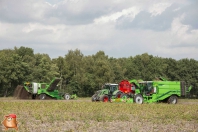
[183, 34]
[130, 13]
[177, 9]
[158, 8]
[90, 25]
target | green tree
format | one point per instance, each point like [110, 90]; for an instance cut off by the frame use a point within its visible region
[44, 70]
[119, 69]
[12, 71]
[74, 71]
[102, 69]
[188, 72]
[172, 69]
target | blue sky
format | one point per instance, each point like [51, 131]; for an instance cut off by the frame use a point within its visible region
[120, 28]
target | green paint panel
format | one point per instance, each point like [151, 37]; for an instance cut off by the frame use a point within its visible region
[154, 91]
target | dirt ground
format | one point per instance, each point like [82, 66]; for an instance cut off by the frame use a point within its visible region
[37, 123]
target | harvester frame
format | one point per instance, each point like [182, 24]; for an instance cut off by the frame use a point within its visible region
[42, 91]
[139, 91]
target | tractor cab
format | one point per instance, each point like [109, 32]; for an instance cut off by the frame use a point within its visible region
[110, 87]
[105, 93]
[146, 87]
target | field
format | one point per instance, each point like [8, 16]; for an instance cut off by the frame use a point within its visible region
[83, 115]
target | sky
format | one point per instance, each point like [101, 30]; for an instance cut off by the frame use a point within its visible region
[120, 28]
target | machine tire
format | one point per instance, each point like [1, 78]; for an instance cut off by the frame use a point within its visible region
[66, 96]
[42, 96]
[93, 98]
[104, 98]
[33, 96]
[118, 94]
[138, 99]
[172, 99]
[124, 96]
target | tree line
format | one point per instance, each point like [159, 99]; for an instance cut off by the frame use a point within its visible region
[83, 75]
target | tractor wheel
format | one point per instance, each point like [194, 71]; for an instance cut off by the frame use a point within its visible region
[42, 96]
[138, 99]
[124, 96]
[172, 99]
[118, 95]
[104, 98]
[93, 98]
[67, 96]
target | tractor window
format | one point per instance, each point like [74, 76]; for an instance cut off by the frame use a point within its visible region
[143, 87]
[149, 86]
[113, 88]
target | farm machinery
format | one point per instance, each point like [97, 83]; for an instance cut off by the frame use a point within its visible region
[106, 93]
[41, 91]
[139, 91]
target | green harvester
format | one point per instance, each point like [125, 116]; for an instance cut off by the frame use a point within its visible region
[139, 91]
[42, 91]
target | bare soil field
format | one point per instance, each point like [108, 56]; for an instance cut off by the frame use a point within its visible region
[82, 115]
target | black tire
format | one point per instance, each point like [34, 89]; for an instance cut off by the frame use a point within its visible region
[172, 99]
[93, 98]
[66, 96]
[138, 99]
[33, 96]
[118, 94]
[124, 96]
[42, 96]
[104, 98]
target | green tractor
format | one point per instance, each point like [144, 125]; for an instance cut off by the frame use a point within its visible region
[160, 90]
[41, 91]
[105, 94]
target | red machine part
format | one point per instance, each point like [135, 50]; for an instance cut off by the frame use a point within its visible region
[126, 87]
